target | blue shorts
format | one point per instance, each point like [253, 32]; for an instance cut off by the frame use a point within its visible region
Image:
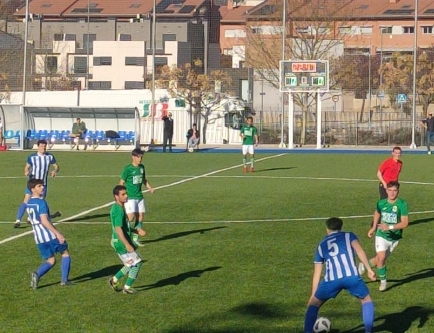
[354, 285]
[44, 194]
[49, 249]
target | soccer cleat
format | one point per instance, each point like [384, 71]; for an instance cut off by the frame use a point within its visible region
[17, 224]
[129, 291]
[56, 214]
[67, 283]
[136, 240]
[113, 284]
[252, 169]
[34, 279]
[383, 285]
[429, 152]
[245, 169]
[361, 269]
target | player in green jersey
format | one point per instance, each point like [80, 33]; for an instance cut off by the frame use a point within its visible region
[122, 243]
[133, 177]
[390, 218]
[249, 134]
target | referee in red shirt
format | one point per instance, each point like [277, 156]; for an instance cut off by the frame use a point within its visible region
[389, 171]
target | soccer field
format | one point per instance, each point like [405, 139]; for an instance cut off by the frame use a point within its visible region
[225, 251]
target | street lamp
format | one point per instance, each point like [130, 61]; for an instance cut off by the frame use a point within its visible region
[282, 95]
[154, 27]
[413, 118]
[369, 83]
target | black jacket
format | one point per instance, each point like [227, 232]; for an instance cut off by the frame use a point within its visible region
[168, 124]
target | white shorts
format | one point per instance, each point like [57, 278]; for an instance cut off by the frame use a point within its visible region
[248, 149]
[382, 244]
[130, 258]
[135, 206]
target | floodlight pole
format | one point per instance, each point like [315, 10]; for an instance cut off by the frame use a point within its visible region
[23, 100]
[413, 118]
[290, 120]
[318, 120]
[282, 95]
[152, 104]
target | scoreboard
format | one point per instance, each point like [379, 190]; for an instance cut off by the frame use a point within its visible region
[304, 75]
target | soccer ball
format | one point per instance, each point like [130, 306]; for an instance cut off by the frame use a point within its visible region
[322, 325]
[190, 150]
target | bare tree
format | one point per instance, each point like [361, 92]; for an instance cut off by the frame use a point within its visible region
[201, 92]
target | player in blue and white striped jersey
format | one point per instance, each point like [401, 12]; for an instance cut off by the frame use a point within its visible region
[48, 239]
[37, 167]
[337, 251]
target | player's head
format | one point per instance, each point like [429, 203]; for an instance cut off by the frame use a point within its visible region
[137, 155]
[249, 121]
[120, 194]
[396, 153]
[392, 190]
[36, 186]
[194, 125]
[334, 224]
[430, 115]
[42, 146]
[78, 120]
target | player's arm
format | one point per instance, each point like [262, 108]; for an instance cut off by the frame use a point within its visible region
[380, 178]
[121, 182]
[148, 186]
[27, 169]
[47, 224]
[317, 270]
[55, 170]
[123, 239]
[363, 258]
[241, 133]
[375, 222]
[124, 177]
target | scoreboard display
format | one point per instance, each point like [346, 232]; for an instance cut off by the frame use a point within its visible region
[304, 75]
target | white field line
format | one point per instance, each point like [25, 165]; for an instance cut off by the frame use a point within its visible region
[242, 221]
[156, 188]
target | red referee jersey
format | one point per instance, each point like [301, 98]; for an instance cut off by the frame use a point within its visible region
[390, 169]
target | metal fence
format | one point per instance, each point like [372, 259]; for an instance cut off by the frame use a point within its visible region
[343, 128]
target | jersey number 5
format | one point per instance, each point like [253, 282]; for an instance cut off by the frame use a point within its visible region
[332, 247]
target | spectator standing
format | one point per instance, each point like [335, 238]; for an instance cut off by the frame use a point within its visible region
[428, 123]
[168, 132]
[77, 132]
[193, 137]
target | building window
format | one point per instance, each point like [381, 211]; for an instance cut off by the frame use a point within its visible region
[100, 85]
[58, 37]
[51, 64]
[102, 61]
[80, 65]
[125, 37]
[70, 37]
[386, 30]
[345, 30]
[134, 61]
[91, 39]
[134, 85]
[408, 30]
[256, 30]
[427, 30]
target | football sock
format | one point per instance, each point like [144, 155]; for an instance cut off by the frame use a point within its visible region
[368, 316]
[244, 161]
[132, 275]
[252, 161]
[310, 318]
[121, 273]
[66, 265]
[43, 269]
[382, 272]
[21, 211]
[138, 225]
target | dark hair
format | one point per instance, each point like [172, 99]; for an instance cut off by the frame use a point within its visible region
[118, 188]
[33, 182]
[194, 124]
[249, 117]
[78, 119]
[137, 152]
[41, 142]
[393, 184]
[397, 148]
[334, 223]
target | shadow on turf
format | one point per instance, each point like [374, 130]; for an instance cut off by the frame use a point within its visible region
[422, 274]
[399, 322]
[420, 221]
[274, 169]
[182, 234]
[104, 272]
[177, 279]
[89, 217]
